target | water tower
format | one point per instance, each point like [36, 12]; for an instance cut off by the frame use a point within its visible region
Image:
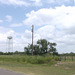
[10, 43]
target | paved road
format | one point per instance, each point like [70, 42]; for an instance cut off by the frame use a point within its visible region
[6, 72]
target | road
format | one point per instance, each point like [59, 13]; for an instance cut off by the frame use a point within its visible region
[6, 72]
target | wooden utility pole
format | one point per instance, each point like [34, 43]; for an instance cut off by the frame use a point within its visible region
[32, 38]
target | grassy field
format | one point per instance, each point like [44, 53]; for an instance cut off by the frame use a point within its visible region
[60, 68]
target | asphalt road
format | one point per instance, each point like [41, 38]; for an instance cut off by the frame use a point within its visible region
[6, 72]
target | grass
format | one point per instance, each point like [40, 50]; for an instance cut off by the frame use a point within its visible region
[28, 59]
[34, 69]
[62, 68]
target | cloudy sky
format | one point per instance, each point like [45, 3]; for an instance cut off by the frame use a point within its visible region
[53, 20]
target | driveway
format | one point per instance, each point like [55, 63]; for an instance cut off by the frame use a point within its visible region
[6, 72]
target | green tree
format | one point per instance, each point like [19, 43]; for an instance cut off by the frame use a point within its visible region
[1, 53]
[42, 47]
[36, 49]
[28, 49]
[52, 48]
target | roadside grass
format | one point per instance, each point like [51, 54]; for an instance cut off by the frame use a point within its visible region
[28, 59]
[34, 69]
[59, 68]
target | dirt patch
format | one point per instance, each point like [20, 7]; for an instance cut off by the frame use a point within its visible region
[60, 63]
[31, 74]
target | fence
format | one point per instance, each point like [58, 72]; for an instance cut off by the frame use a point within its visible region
[67, 58]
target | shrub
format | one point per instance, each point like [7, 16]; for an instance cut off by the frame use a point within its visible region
[52, 62]
[23, 60]
[40, 61]
[57, 58]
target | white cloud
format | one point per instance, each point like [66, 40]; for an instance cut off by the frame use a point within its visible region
[63, 17]
[39, 17]
[14, 2]
[5, 32]
[46, 32]
[16, 25]
[9, 18]
[36, 2]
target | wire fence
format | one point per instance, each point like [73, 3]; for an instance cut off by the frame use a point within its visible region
[67, 58]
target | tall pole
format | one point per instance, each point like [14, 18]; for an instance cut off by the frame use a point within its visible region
[32, 39]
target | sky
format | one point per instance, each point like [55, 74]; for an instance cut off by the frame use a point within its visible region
[53, 20]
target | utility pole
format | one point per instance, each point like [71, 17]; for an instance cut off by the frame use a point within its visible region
[32, 38]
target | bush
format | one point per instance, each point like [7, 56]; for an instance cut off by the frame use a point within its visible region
[52, 62]
[40, 61]
[57, 58]
[23, 60]
[48, 59]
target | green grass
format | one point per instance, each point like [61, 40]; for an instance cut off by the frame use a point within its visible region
[62, 68]
[28, 59]
[35, 69]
